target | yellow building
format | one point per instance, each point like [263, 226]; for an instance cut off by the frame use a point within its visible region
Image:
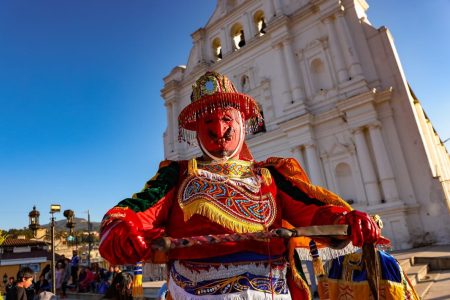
[17, 253]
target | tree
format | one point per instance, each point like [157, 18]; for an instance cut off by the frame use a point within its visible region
[3, 236]
[16, 232]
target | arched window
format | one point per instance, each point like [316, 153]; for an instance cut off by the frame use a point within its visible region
[217, 49]
[260, 22]
[237, 35]
[344, 180]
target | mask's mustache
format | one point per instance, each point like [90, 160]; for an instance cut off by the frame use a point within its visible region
[226, 136]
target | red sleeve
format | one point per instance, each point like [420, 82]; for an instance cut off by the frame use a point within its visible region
[299, 214]
[154, 218]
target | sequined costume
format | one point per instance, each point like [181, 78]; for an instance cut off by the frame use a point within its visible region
[226, 191]
[189, 198]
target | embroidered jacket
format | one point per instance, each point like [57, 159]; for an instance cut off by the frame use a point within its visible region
[190, 198]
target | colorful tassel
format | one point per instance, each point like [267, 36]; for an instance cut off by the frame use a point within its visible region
[316, 260]
[138, 290]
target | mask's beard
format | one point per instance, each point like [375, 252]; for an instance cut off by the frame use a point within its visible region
[226, 156]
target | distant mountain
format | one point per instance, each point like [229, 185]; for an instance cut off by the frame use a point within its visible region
[80, 225]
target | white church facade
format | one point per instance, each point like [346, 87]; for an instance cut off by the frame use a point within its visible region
[334, 96]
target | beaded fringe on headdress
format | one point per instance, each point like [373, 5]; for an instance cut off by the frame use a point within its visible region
[198, 109]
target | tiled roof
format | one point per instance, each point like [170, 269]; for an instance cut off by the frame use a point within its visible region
[32, 254]
[21, 243]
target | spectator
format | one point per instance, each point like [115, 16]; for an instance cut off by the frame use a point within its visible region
[66, 277]
[42, 285]
[30, 290]
[115, 280]
[96, 271]
[84, 284]
[24, 281]
[59, 276]
[110, 274]
[74, 265]
[124, 286]
[10, 284]
[46, 272]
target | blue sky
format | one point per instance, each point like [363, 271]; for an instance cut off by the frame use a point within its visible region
[81, 117]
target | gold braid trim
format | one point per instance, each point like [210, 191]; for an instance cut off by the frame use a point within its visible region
[296, 276]
[204, 208]
[192, 167]
[267, 178]
[292, 171]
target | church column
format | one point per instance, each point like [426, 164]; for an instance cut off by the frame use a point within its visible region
[250, 33]
[199, 38]
[314, 169]
[293, 72]
[269, 10]
[304, 71]
[287, 98]
[278, 10]
[336, 51]
[170, 127]
[348, 46]
[175, 113]
[297, 153]
[224, 41]
[367, 170]
[383, 165]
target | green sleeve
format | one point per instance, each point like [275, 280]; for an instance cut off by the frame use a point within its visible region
[155, 189]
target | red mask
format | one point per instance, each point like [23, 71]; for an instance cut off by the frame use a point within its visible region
[221, 133]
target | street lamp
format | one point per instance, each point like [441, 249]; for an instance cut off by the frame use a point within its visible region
[34, 220]
[70, 215]
[54, 208]
[89, 239]
[34, 226]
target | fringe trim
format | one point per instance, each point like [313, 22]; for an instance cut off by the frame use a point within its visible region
[179, 293]
[230, 270]
[327, 253]
[209, 103]
[205, 208]
[189, 116]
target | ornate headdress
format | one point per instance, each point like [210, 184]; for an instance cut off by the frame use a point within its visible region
[210, 92]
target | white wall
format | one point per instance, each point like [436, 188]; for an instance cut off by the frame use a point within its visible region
[333, 94]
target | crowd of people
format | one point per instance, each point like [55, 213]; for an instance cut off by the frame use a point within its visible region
[69, 276]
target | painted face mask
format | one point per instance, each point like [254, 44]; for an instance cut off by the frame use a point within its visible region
[221, 133]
